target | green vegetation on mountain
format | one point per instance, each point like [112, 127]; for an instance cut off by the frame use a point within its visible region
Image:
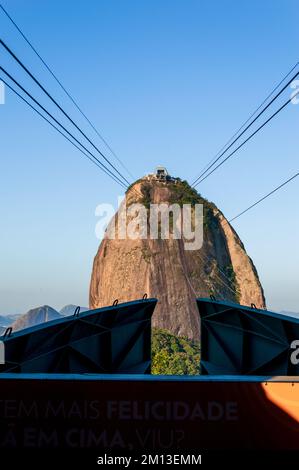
[174, 355]
[183, 193]
[231, 277]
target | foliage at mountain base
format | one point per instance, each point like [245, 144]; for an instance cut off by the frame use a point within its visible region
[174, 355]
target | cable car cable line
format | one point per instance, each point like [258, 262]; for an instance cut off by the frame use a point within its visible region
[265, 197]
[248, 138]
[59, 107]
[61, 125]
[55, 127]
[196, 182]
[65, 90]
[250, 117]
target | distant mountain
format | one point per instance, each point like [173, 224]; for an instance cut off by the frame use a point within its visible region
[70, 310]
[36, 316]
[7, 320]
[287, 312]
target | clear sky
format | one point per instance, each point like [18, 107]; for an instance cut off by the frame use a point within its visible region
[166, 82]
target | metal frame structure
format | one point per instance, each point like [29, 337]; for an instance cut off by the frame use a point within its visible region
[114, 339]
[239, 340]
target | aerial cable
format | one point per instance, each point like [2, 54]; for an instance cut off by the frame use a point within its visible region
[63, 127]
[248, 138]
[265, 197]
[194, 184]
[59, 107]
[250, 117]
[56, 128]
[65, 91]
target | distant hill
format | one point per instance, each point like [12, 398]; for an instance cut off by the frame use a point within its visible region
[7, 320]
[70, 310]
[286, 312]
[36, 316]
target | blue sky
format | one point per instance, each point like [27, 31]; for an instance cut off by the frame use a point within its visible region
[165, 82]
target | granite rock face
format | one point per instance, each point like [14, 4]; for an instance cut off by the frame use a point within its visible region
[125, 269]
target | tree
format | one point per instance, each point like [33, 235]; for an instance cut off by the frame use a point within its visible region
[174, 355]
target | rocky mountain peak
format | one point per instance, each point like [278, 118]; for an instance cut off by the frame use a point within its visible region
[125, 269]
